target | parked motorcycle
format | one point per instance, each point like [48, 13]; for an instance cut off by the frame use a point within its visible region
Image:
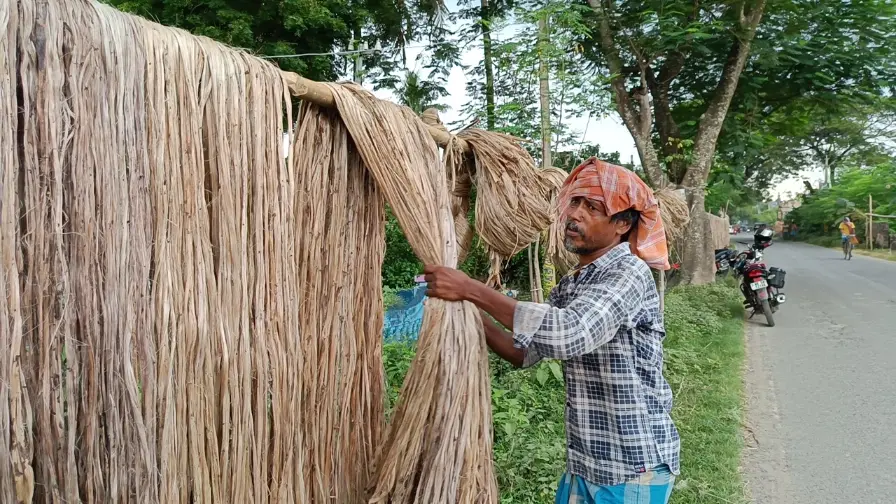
[761, 286]
[725, 260]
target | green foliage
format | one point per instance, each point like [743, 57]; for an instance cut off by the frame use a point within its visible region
[821, 212]
[419, 94]
[727, 188]
[569, 159]
[814, 67]
[390, 298]
[703, 363]
[401, 264]
[516, 53]
[289, 27]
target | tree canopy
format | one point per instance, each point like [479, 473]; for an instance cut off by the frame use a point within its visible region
[722, 98]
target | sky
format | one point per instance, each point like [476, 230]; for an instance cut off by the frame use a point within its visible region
[606, 130]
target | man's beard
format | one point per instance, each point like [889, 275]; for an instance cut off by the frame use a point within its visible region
[583, 249]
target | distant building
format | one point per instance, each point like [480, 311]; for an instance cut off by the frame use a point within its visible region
[785, 207]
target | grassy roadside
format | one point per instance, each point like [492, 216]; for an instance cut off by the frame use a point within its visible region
[833, 242]
[703, 362]
[704, 366]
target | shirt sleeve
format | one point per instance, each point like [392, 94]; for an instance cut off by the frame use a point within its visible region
[532, 356]
[589, 321]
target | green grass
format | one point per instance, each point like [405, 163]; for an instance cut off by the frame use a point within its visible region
[704, 358]
[704, 366]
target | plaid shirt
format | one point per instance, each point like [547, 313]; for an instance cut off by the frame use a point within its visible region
[606, 326]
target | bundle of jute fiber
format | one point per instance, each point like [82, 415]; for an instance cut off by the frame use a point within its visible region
[460, 182]
[674, 210]
[341, 235]
[439, 443]
[513, 197]
[16, 449]
[178, 318]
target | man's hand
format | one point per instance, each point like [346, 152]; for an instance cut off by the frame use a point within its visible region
[447, 283]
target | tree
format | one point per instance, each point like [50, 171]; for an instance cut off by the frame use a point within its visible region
[821, 210]
[569, 159]
[830, 134]
[311, 27]
[677, 68]
[827, 56]
[646, 46]
[420, 94]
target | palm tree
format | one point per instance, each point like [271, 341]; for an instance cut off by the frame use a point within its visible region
[419, 94]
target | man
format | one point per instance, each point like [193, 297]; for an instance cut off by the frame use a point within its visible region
[847, 233]
[603, 321]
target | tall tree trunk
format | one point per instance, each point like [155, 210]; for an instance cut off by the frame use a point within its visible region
[544, 96]
[635, 108]
[544, 91]
[486, 24]
[696, 241]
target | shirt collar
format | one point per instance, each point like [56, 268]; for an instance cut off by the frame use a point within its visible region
[621, 250]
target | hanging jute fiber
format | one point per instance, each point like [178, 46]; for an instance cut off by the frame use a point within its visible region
[187, 315]
[513, 197]
[190, 316]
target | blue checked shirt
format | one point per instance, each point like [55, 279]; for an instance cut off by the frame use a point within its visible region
[606, 326]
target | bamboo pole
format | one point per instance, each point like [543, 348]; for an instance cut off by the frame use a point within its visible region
[321, 95]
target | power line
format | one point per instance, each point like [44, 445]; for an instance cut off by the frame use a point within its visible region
[379, 49]
[333, 53]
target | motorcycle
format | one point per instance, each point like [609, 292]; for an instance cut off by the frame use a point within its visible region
[761, 286]
[741, 260]
[724, 261]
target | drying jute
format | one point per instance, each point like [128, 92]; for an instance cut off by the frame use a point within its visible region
[188, 316]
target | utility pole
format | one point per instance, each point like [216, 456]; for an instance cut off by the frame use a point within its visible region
[870, 223]
[357, 44]
[827, 177]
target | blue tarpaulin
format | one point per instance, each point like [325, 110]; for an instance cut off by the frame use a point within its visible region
[402, 322]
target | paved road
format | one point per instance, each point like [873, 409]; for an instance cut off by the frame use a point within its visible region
[821, 385]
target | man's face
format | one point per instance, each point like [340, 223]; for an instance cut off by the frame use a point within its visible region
[588, 227]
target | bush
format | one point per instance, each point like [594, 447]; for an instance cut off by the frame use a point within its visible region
[703, 359]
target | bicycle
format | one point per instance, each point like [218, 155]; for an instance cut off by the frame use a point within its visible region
[847, 248]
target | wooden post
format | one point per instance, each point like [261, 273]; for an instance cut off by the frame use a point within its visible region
[661, 287]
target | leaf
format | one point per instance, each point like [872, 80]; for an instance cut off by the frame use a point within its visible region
[509, 428]
[556, 370]
[542, 375]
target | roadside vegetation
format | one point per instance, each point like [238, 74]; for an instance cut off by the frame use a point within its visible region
[822, 210]
[704, 353]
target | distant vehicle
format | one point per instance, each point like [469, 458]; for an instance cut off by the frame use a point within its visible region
[759, 226]
[732, 230]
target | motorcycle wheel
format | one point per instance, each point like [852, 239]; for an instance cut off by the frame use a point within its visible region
[767, 311]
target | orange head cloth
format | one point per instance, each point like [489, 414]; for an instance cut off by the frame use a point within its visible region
[619, 190]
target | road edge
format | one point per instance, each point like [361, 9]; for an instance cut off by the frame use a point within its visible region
[766, 467]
